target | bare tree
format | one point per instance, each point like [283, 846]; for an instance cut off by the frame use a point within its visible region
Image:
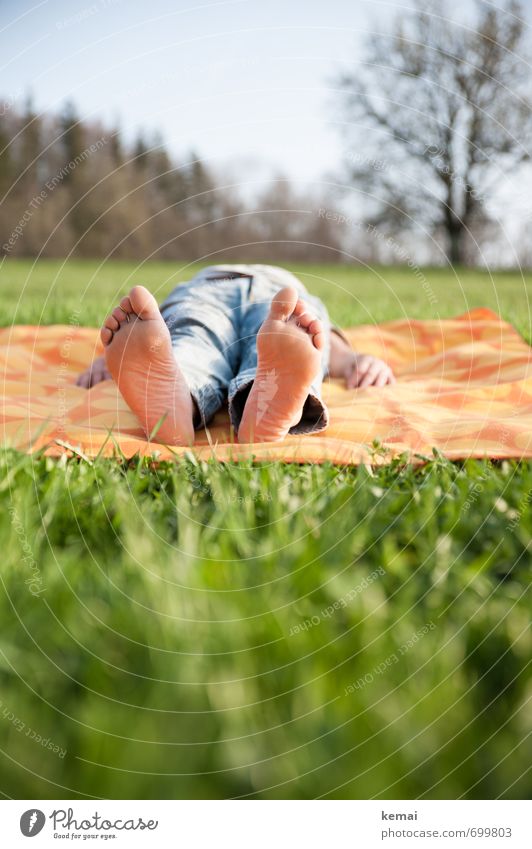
[436, 117]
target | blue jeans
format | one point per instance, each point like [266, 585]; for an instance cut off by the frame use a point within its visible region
[214, 320]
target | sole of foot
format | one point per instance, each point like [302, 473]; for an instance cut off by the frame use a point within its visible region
[289, 345]
[139, 356]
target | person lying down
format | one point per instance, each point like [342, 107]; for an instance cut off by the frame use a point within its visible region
[248, 334]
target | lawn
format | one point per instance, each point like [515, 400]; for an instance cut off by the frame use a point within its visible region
[272, 631]
[52, 291]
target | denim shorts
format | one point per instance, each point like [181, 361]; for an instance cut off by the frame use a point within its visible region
[214, 320]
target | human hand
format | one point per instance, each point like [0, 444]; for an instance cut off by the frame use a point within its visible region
[94, 374]
[364, 370]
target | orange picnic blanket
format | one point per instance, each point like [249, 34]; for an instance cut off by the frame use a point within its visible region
[464, 387]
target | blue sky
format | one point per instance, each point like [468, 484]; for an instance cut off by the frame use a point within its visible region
[244, 82]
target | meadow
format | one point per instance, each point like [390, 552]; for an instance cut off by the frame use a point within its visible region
[189, 629]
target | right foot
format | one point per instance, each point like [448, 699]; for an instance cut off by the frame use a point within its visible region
[289, 343]
[138, 354]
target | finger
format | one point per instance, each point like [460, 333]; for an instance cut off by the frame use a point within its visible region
[102, 375]
[391, 378]
[382, 378]
[363, 362]
[83, 380]
[99, 374]
[370, 376]
[358, 370]
[353, 378]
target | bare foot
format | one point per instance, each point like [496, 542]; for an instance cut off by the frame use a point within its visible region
[288, 346]
[138, 354]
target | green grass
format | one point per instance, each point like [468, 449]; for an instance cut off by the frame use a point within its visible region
[50, 291]
[270, 631]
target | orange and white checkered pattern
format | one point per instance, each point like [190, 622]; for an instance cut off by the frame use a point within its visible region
[464, 387]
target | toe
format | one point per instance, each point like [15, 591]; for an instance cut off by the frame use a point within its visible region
[125, 305]
[284, 303]
[319, 340]
[300, 308]
[315, 327]
[119, 315]
[106, 335]
[143, 303]
[111, 323]
[305, 320]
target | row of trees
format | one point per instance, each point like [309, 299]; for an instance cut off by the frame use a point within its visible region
[67, 185]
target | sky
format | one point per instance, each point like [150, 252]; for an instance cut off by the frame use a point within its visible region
[246, 83]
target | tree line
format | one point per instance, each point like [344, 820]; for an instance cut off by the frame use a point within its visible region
[73, 187]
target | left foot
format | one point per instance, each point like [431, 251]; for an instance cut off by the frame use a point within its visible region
[288, 348]
[139, 356]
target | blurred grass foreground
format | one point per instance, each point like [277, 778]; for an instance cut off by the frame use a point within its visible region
[201, 630]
